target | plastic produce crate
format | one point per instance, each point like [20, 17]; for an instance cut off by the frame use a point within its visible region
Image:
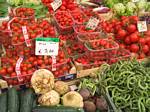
[63, 69]
[85, 37]
[74, 49]
[5, 37]
[23, 50]
[87, 65]
[85, 61]
[84, 34]
[64, 27]
[11, 74]
[120, 54]
[101, 48]
[112, 107]
[22, 12]
[49, 30]
[19, 38]
[78, 16]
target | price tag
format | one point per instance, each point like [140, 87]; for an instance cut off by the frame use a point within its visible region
[47, 46]
[135, 0]
[73, 88]
[53, 63]
[142, 26]
[9, 10]
[17, 68]
[56, 4]
[93, 23]
[26, 36]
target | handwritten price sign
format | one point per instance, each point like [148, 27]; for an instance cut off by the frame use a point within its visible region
[93, 23]
[142, 26]
[47, 46]
[56, 4]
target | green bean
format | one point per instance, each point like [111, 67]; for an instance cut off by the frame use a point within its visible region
[148, 102]
[128, 83]
[141, 106]
[142, 87]
[107, 88]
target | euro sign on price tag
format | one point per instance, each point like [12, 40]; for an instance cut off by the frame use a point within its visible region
[142, 26]
[92, 23]
[47, 46]
[56, 4]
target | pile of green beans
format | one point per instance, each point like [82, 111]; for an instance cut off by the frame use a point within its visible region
[128, 83]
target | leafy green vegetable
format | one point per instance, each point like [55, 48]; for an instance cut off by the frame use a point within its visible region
[3, 9]
[119, 9]
[40, 10]
[141, 4]
[130, 8]
[111, 3]
[23, 2]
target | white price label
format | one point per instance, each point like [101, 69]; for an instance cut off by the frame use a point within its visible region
[93, 23]
[26, 36]
[135, 0]
[47, 46]
[53, 63]
[142, 26]
[56, 4]
[17, 68]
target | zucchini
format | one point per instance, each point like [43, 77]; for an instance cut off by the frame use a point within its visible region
[13, 100]
[34, 103]
[27, 99]
[56, 109]
[3, 102]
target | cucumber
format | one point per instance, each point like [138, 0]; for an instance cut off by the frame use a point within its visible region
[27, 99]
[56, 109]
[3, 102]
[34, 103]
[13, 100]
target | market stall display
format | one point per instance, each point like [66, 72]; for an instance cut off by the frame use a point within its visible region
[74, 56]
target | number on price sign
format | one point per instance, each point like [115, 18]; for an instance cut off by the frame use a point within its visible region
[142, 26]
[93, 23]
[47, 46]
[56, 4]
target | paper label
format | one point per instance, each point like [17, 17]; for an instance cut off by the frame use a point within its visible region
[9, 10]
[26, 36]
[92, 23]
[68, 77]
[17, 68]
[135, 0]
[53, 63]
[142, 26]
[56, 4]
[73, 87]
[47, 46]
